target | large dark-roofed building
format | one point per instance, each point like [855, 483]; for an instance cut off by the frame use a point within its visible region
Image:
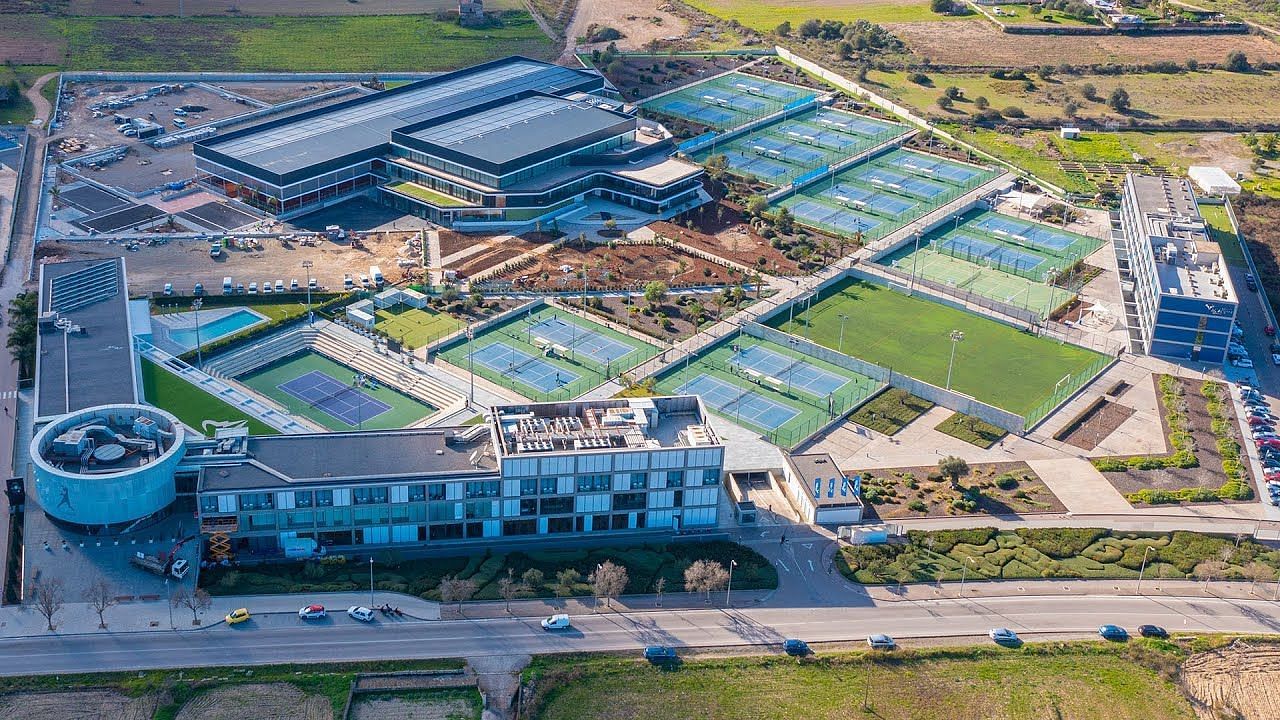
[453, 147]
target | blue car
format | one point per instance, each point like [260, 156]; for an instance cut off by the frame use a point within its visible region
[661, 655]
[1113, 632]
[796, 648]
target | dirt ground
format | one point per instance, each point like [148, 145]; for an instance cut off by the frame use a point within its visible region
[612, 268]
[390, 707]
[1030, 495]
[1224, 150]
[718, 229]
[481, 253]
[952, 43]
[1099, 425]
[639, 21]
[82, 705]
[268, 7]
[268, 701]
[1241, 680]
[277, 92]
[186, 262]
[686, 70]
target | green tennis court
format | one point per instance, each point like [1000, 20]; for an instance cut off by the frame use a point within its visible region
[269, 380]
[987, 282]
[413, 327]
[994, 363]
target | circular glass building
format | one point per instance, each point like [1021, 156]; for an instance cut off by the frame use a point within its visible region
[109, 468]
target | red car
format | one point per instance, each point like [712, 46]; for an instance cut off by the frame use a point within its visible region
[1259, 420]
[1267, 443]
[312, 612]
[1270, 330]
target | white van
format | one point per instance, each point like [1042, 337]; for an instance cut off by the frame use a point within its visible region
[556, 622]
[227, 289]
[375, 274]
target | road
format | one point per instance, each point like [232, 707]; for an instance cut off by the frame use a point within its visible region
[285, 638]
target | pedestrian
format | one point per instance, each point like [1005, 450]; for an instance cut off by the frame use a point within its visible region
[783, 540]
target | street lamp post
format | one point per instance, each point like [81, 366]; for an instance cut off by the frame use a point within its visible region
[729, 588]
[471, 368]
[843, 318]
[195, 305]
[964, 575]
[307, 265]
[1144, 566]
[370, 582]
[956, 337]
[169, 594]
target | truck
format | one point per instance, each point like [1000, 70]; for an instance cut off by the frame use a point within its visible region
[215, 249]
[177, 569]
[375, 274]
[227, 289]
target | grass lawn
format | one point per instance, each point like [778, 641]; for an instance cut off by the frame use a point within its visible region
[910, 335]
[276, 310]
[644, 564]
[19, 110]
[1223, 233]
[191, 404]
[1081, 682]
[1030, 553]
[413, 327]
[971, 430]
[425, 193]
[766, 16]
[890, 411]
[338, 44]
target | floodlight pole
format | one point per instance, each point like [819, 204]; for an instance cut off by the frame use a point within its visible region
[471, 368]
[195, 305]
[729, 588]
[371, 582]
[843, 318]
[915, 260]
[956, 337]
[307, 265]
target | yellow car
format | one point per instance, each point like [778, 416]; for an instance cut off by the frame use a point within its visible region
[238, 616]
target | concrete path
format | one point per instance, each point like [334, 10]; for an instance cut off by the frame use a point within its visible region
[1080, 486]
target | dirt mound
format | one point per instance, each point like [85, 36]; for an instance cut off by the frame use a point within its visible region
[83, 705]
[1241, 680]
[273, 701]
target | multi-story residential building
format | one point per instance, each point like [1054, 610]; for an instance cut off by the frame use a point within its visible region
[1180, 300]
[531, 470]
[507, 142]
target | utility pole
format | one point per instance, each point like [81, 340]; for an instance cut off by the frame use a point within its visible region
[471, 368]
[370, 582]
[307, 265]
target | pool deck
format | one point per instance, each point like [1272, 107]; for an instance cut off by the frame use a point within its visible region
[163, 325]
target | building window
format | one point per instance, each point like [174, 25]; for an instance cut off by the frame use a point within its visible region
[548, 486]
[557, 505]
[303, 499]
[479, 510]
[639, 481]
[711, 476]
[599, 522]
[519, 527]
[528, 507]
[368, 496]
[483, 489]
[324, 498]
[257, 501]
[529, 486]
[209, 504]
[629, 501]
[435, 491]
[675, 478]
[593, 483]
[452, 531]
[560, 525]
[417, 493]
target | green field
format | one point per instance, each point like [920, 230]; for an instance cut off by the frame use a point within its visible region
[995, 363]
[191, 404]
[890, 411]
[413, 327]
[1080, 682]
[767, 16]
[18, 110]
[404, 409]
[339, 44]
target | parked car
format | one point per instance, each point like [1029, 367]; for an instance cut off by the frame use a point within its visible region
[1243, 362]
[312, 612]
[198, 290]
[168, 289]
[1259, 419]
[1251, 282]
[293, 285]
[279, 286]
[1004, 636]
[556, 622]
[1152, 631]
[236, 617]
[1275, 358]
[361, 613]
[253, 288]
[881, 642]
[1113, 632]
[1266, 443]
[1269, 330]
[795, 648]
[266, 287]
[661, 655]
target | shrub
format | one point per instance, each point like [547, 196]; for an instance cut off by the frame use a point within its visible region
[1013, 111]
[920, 79]
[1237, 61]
[1119, 100]
[945, 540]
[918, 506]
[1006, 482]
[1060, 543]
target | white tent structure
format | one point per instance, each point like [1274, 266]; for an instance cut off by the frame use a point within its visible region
[1213, 180]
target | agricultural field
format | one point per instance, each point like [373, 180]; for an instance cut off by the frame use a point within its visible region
[1081, 682]
[947, 43]
[194, 8]
[340, 44]
[765, 16]
[1263, 12]
[1154, 97]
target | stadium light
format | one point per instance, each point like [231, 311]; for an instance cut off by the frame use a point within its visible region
[956, 337]
[843, 318]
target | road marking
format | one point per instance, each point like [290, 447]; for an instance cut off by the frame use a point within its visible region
[782, 565]
[811, 568]
[8, 394]
[807, 546]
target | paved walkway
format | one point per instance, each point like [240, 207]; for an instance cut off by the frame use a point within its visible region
[1080, 486]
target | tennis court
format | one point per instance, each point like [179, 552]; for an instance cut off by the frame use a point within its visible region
[990, 283]
[414, 327]
[919, 164]
[815, 135]
[727, 101]
[898, 181]
[716, 117]
[310, 385]
[810, 211]
[347, 402]
[1024, 232]
[798, 373]
[523, 367]
[862, 198]
[739, 403]
[984, 252]
[761, 168]
[856, 124]
[566, 333]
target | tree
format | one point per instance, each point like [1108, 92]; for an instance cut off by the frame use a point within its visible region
[655, 292]
[49, 595]
[101, 597]
[783, 29]
[1119, 100]
[845, 50]
[756, 205]
[1070, 108]
[1089, 92]
[1237, 61]
[784, 221]
[610, 224]
[953, 467]
[953, 92]
[810, 28]
[508, 588]
[658, 587]
[456, 590]
[1209, 569]
[705, 576]
[565, 580]
[533, 578]
[1257, 572]
[197, 601]
[22, 332]
[945, 102]
[981, 102]
[1045, 72]
[942, 7]
[1193, 64]
[608, 581]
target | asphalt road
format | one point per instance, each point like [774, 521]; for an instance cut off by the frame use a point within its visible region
[285, 638]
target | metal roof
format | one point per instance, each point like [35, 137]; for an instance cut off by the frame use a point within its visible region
[313, 137]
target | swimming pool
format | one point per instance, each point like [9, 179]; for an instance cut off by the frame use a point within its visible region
[219, 327]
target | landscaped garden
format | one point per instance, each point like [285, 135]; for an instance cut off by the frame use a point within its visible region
[890, 411]
[982, 488]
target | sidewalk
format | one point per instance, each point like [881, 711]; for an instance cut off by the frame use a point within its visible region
[1151, 587]
[543, 607]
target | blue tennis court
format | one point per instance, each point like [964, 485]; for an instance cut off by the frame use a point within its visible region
[931, 167]
[970, 247]
[854, 124]
[331, 396]
[752, 86]
[744, 403]
[815, 135]
[757, 166]
[820, 214]
[900, 182]
[796, 372]
[784, 150]
[598, 347]
[732, 100]
[714, 116]
[866, 199]
[1025, 233]
[523, 367]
